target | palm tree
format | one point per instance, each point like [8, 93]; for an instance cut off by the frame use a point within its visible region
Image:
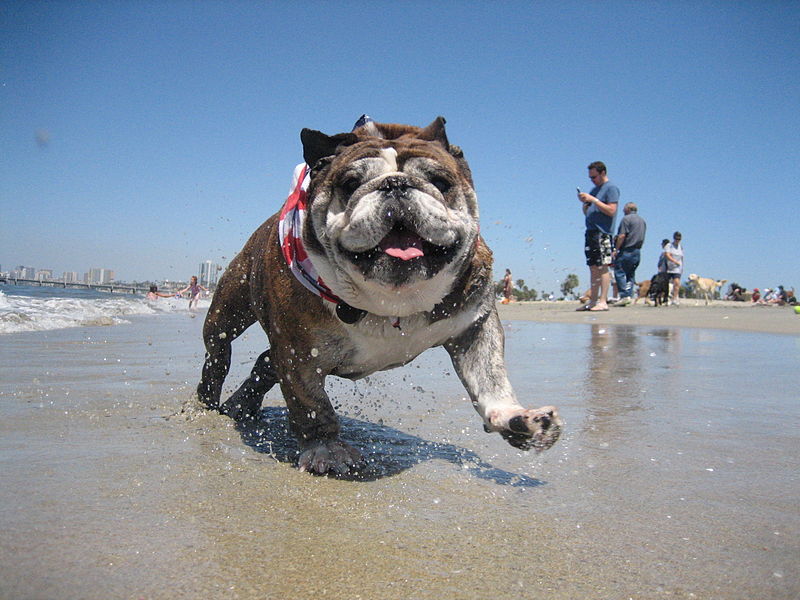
[569, 284]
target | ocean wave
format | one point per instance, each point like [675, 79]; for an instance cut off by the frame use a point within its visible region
[19, 313]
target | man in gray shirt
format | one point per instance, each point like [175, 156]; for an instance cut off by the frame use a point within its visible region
[630, 237]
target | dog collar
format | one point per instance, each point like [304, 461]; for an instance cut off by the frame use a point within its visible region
[290, 233]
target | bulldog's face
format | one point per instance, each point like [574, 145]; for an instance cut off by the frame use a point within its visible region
[393, 216]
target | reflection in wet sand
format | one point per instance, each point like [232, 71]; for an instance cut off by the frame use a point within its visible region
[614, 382]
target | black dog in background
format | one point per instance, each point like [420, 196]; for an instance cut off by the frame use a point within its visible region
[659, 289]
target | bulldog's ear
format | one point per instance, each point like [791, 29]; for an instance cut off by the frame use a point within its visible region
[435, 133]
[317, 145]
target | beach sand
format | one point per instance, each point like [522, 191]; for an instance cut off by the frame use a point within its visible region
[718, 314]
[676, 476]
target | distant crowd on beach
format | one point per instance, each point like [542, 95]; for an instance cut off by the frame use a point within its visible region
[777, 296]
[613, 257]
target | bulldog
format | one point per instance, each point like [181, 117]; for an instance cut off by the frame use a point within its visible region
[375, 257]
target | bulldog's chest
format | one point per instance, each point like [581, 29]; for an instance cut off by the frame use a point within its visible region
[377, 344]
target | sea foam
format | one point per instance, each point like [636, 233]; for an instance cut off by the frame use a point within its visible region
[20, 313]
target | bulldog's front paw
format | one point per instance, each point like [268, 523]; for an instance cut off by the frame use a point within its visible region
[333, 456]
[527, 429]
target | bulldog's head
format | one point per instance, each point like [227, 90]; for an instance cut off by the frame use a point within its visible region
[393, 215]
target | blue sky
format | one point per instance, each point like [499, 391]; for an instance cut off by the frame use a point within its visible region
[167, 131]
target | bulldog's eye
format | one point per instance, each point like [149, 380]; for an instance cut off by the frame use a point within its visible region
[441, 184]
[349, 185]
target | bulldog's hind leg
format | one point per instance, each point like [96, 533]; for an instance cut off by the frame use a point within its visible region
[245, 402]
[224, 323]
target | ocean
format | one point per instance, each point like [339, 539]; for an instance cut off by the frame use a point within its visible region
[676, 475]
[44, 308]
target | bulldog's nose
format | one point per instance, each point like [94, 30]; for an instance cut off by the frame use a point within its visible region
[394, 183]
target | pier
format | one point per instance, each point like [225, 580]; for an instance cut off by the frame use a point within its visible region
[113, 288]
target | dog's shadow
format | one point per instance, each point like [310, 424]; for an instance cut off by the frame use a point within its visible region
[387, 451]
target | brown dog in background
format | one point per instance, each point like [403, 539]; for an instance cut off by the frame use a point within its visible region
[644, 290]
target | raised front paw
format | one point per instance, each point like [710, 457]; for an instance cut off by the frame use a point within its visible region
[527, 429]
[333, 456]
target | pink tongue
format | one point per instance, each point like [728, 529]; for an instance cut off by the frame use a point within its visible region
[404, 246]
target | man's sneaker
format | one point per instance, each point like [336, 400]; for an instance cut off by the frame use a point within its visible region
[623, 302]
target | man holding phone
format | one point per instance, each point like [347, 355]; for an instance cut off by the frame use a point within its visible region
[600, 208]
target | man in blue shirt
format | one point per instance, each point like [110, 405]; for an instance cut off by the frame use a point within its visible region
[600, 208]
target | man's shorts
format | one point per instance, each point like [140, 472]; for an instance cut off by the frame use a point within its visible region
[598, 248]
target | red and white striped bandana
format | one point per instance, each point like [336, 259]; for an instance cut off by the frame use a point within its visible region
[290, 232]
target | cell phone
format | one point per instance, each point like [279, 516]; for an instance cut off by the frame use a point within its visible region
[579, 189]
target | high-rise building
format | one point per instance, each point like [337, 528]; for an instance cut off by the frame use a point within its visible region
[208, 274]
[44, 275]
[25, 272]
[70, 277]
[99, 276]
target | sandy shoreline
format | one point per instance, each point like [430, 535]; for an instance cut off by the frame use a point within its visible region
[106, 495]
[717, 315]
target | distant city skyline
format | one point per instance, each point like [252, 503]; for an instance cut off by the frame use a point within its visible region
[208, 274]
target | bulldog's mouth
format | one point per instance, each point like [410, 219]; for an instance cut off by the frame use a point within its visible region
[403, 254]
[403, 244]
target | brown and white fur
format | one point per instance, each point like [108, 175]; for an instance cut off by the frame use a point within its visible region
[643, 292]
[705, 286]
[381, 187]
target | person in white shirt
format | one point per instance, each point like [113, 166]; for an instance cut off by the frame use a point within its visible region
[674, 255]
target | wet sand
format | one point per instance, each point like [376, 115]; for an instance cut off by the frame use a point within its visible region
[676, 476]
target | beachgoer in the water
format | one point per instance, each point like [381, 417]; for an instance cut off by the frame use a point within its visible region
[154, 294]
[195, 291]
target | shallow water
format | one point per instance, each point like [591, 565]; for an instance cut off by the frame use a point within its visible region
[676, 476]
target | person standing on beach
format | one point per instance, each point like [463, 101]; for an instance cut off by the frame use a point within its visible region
[662, 258]
[508, 287]
[195, 291]
[630, 237]
[600, 208]
[674, 255]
